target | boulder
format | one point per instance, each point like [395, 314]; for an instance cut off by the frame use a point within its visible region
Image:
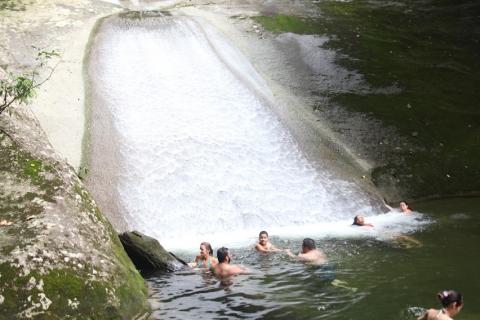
[147, 253]
[60, 258]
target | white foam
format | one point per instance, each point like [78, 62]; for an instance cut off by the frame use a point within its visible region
[199, 156]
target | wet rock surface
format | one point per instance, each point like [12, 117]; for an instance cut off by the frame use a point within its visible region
[60, 257]
[147, 253]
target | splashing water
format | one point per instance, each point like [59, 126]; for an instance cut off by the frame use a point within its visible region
[185, 148]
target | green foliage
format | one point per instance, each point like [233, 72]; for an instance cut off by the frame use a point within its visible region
[20, 88]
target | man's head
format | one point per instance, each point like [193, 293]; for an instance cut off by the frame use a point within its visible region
[308, 245]
[359, 220]
[263, 237]
[223, 255]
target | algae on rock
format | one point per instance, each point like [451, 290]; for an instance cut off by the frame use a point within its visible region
[60, 258]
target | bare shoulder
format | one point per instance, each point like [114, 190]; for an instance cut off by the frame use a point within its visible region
[430, 314]
[235, 269]
[319, 252]
[316, 257]
[259, 247]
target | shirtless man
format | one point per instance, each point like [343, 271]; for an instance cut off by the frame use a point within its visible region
[264, 245]
[309, 253]
[224, 269]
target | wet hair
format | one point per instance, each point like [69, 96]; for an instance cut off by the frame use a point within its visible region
[222, 254]
[408, 206]
[355, 221]
[308, 243]
[263, 232]
[209, 248]
[447, 297]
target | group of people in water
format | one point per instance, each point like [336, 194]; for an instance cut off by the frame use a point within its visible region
[451, 300]
[221, 267]
[359, 220]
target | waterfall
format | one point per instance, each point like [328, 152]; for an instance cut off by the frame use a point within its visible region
[185, 149]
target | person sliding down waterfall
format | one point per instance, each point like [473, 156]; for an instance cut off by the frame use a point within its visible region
[359, 220]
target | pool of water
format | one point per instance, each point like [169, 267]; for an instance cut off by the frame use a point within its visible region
[367, 277]
[197, 149]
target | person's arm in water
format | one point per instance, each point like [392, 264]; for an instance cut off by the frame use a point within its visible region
[290, 254]
[315, 257]
[236, 269]
[275, 249]
[267, 248]
[307, 257]
[260, 248]
[194, 264]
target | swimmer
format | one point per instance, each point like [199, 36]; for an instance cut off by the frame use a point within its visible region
[405, 208]
[359, 220]
[309, 253]
[264, 245]
[224, 269]
[205, 259]
[452, 303]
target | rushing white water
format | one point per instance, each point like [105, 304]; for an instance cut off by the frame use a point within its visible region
[185, 149]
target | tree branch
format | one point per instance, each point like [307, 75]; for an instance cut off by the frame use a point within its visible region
[6, 133]
[22, 87]
[48, 77]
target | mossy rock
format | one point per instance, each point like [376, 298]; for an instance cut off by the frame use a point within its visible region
[60, 257]
[147, 253]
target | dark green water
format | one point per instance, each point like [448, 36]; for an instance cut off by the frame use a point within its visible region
[429, 51]
[391, 280]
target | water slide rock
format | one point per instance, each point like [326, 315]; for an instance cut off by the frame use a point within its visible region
[147, 253]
